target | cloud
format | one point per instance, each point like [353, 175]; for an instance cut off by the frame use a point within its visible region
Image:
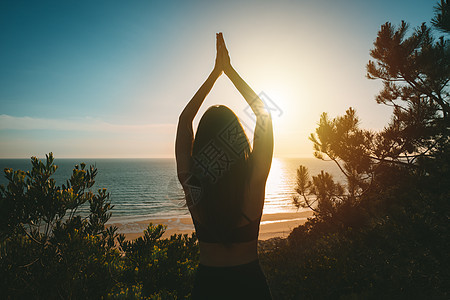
[8, 122]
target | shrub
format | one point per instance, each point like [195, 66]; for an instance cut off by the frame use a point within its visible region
[49, 250]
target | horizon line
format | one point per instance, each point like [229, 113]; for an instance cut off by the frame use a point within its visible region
[154, 157]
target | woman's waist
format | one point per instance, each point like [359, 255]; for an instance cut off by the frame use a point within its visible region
[241, 233]
[221, 255]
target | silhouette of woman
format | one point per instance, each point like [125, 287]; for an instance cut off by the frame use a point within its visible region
[224, 183]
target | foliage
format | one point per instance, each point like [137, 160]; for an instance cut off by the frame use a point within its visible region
[384, 233]
[442, 18]
[415, 72]
[49, 250]
[46, 248]
[163, 266]
[347, 145]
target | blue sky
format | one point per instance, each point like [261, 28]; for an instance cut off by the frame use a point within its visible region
[89, 79]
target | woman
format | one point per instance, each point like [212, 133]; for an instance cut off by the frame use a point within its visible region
[224, 183]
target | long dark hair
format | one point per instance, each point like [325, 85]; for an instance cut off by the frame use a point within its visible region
[220, 165]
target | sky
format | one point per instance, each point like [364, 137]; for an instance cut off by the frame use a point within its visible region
[93, 79]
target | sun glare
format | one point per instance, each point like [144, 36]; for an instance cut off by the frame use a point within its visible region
[274, 184]
[276, 176]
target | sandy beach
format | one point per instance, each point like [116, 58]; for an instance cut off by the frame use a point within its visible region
[272, 225]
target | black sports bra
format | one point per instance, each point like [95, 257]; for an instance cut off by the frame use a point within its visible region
[246, 233]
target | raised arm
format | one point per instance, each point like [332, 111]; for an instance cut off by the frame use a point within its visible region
[263, 136]
[185, 134]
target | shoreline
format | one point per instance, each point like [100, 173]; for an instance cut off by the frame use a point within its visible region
[272, 225]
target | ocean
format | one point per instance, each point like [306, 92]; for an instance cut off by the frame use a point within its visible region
[149, 189]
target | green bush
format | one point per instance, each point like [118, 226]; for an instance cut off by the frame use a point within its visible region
[384, 233]
[49, 250]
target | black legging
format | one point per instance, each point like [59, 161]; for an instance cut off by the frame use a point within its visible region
[245, 281]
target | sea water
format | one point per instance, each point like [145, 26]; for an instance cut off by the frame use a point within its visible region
[149, 189]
